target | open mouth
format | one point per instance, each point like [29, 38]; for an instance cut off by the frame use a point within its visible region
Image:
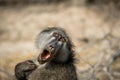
[45, 56]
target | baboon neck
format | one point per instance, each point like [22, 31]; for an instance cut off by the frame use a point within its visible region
[70, 59]
[54, 64]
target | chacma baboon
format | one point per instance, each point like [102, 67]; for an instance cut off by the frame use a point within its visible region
[56, 56]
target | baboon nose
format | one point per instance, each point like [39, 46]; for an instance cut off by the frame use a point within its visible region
[51, 47]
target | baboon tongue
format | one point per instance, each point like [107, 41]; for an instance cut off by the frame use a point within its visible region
[46, 57]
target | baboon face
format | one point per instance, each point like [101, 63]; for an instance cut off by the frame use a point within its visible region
[53, 43]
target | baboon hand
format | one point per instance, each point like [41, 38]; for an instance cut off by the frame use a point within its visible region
[24, 69]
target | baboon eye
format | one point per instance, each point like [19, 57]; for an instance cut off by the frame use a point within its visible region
[63, 39]
[56, 35]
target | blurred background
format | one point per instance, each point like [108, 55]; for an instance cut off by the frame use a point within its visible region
[93, 25]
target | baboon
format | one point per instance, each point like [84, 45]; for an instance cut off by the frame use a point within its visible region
[56, 58]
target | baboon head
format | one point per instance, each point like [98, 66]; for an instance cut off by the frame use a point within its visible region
[54, 46]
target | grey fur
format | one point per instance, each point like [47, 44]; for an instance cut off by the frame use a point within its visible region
[60, 66]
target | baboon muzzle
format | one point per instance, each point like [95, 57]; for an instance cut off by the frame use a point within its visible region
[47, 54]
